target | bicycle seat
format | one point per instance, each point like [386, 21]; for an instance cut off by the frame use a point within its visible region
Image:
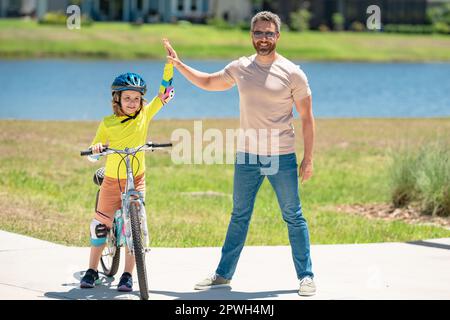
[99, 175]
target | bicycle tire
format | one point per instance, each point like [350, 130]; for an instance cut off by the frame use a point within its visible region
[139, 253]
[110, 269]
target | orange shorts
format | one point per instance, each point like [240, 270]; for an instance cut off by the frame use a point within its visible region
[110, 198]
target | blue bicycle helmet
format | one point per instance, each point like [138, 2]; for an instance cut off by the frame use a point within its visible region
[129, 81]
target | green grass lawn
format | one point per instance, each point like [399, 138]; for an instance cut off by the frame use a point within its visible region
[28, 39]
[47, 192]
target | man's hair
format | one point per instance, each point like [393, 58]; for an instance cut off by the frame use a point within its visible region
[116, 103]
[267, 16]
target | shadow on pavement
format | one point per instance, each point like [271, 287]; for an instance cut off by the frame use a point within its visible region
[222, 294]
[105, 290]
[430, 244]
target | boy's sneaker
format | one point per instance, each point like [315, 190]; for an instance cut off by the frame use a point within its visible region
[307, 287]
[90, 279]
[213, 282]
[125, 283]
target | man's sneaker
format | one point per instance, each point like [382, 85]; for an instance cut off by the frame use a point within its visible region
[213, 282]
[307, 287]
[90, 279]
[125, 283]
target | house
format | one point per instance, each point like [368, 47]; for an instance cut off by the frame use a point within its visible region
[392, 11]
[146, 10]
[151, 11]
[233, 11]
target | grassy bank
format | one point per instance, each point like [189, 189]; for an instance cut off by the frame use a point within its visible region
[27, 39]
[47, 192]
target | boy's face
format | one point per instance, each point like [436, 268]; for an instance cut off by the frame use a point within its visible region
[131, 101]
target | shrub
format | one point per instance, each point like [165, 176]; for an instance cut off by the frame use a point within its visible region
[60, 18]
[300, 20]
[285, 27]
[244, 25]
[439, 13]
[338, 21]
[403, 188]
[422, 176]
[184, 23]
[408, 28]
[441, 27]
[54, 18]
[357, 26]
[219, 23]
[323, 28]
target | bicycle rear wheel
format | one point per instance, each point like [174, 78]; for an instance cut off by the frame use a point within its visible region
[139, 250]
[110, 258]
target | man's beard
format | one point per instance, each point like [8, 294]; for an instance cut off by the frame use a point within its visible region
[264, 51]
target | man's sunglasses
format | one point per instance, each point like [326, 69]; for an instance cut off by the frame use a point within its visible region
[267, 34]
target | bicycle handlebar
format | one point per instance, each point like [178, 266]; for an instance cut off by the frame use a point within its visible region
[147, 146]
[159, 145]
[86, 153]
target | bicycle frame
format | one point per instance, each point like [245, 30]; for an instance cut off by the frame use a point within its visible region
[133, 197]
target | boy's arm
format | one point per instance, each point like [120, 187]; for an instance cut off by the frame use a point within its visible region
[165, 92]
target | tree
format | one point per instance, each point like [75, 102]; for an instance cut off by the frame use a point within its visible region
[440, 18]
[338, 21]
[300, 20]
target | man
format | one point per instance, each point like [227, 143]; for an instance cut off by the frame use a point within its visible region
[269, 85]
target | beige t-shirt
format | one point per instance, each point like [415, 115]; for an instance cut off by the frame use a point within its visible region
[266, 99]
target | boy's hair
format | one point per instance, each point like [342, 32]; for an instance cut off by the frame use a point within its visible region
[266, 16]
[117, 109]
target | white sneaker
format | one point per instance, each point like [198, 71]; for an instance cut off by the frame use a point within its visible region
[213, 282]
[307, 287]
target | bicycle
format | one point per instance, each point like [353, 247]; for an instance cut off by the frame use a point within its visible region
[130, 222]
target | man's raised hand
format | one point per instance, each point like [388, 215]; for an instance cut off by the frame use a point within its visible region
[172, 56]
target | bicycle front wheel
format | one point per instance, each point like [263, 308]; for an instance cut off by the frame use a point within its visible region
[139, 250]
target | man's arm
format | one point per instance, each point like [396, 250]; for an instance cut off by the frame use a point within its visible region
[203, 80]
[304, 108]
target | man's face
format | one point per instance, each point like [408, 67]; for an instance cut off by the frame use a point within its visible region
[265, 37]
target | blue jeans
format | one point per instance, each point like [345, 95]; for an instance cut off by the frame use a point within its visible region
[249, 174]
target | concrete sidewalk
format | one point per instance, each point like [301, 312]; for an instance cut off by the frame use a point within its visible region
[36, 269]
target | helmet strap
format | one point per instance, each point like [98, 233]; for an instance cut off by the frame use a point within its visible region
[130, 117]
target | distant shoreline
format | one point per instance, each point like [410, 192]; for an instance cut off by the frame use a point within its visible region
[120, 41]
[236, 119]
[91, 59]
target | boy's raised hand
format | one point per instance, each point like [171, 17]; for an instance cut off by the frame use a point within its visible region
[172, 56]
